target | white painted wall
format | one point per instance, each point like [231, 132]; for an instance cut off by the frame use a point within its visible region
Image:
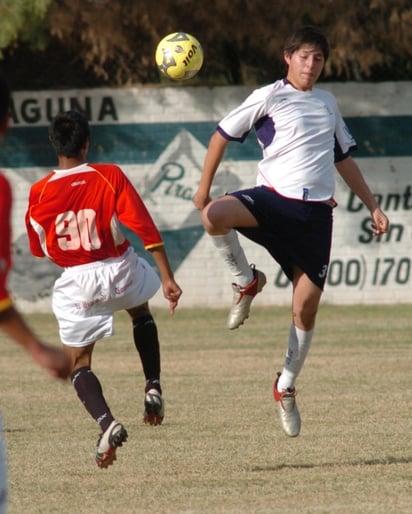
[359, 273]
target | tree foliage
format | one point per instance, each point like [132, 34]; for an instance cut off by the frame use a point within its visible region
[24, 21]
[109, 42]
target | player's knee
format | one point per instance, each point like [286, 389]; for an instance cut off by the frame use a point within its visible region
[139, 311]
[213, 218]
[304, 314]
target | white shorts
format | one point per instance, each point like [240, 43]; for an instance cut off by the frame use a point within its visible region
[86, 297]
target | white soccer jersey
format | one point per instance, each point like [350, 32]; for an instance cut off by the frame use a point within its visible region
[301, 134]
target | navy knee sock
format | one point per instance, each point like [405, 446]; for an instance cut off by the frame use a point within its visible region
[147, 344]
[90, 393]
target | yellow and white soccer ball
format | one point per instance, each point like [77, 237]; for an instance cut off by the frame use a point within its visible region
[179, 56]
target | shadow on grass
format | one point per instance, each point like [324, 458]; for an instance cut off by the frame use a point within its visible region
[370, 462]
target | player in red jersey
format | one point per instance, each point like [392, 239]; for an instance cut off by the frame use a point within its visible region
[74, 218]
[52, 359]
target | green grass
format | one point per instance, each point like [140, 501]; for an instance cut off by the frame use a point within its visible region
[220, 449]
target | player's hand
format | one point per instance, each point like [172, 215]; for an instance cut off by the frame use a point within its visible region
[380, 222]
[200, 200]
[172, 293]
[52, 359]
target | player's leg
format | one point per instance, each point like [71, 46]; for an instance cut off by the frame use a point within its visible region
[305, 303]
[87, 385]
[219, 219]
[90, 393]
[146, 340]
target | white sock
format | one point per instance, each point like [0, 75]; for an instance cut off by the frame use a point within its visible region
[298, 347]
[233, 255]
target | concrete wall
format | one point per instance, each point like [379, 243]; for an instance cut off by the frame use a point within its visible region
[159, 137]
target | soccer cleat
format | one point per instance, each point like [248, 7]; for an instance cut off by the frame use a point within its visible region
[108, 442]
[154, 407]
[242, 298]
[287, 408]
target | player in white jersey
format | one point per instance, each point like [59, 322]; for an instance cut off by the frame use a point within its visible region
[303, 139]
[296, 131]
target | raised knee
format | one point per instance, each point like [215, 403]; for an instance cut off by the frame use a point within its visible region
[206, 217]
[212, 218]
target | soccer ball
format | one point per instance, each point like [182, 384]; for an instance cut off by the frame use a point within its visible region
[179, 56]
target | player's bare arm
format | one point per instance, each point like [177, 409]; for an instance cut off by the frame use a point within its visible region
[351, 174]
[171, 290]
[52, 359]
[213, 157]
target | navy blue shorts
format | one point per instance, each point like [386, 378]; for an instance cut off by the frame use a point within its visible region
[294, 232]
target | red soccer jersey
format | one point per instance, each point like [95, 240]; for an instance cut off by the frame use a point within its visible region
[5, 241]
[74, 215]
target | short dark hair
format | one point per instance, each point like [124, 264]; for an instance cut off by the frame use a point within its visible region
[68, 133]
[5, 98]
[307, 35]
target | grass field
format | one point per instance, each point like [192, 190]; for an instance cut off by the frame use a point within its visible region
[221, 449]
